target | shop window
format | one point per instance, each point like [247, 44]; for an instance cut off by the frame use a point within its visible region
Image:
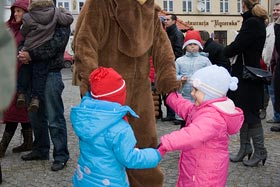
[221, 37]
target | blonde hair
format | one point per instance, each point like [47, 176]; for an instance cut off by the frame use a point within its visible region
[256, 8]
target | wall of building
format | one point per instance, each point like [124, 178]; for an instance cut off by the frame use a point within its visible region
[221, 26]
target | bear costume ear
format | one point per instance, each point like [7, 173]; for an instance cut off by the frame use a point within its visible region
[141, 1]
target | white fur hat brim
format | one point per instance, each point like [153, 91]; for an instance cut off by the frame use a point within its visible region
[192, 41]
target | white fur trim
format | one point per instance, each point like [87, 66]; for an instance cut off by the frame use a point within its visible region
[110, 93]
[200, 85]
[192, 42]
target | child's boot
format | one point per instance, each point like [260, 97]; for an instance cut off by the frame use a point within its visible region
[21, 100]
[34, 104]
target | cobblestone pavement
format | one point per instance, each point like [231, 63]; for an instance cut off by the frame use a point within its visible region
[18, 173]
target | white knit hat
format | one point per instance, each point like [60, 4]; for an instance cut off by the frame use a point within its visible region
[214, 81]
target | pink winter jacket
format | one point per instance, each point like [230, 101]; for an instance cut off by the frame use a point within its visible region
[203, 142]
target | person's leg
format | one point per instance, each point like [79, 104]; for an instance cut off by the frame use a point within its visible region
[23, 83]
[160, 109]
[57, 122]
[27, 139]
[39, 78]
[276, 87]
[170, 114]
[260, 153]
[265, 103]
[245, 145]
[8, 134]
[276, 115]
[41, 144]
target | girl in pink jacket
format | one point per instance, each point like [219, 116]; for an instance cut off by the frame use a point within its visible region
[203, 142]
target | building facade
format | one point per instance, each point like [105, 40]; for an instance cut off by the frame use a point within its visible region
[221, 18]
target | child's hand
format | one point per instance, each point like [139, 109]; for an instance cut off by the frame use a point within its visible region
[161, 150]
[24, 57]
[184, 79]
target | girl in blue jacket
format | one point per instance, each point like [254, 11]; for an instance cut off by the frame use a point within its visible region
[106, 140]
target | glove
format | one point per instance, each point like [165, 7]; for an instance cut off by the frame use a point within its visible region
[161, 150]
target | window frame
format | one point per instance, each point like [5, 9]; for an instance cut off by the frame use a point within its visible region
[187, 5]
[224, 6]
[63, 2]
[168, 5]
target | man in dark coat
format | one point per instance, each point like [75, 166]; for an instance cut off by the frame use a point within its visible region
[277, 73]
[49, 119]
[214, 50]
[176, 38]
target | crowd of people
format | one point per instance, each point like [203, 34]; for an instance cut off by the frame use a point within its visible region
[47, 57]
[203, 92]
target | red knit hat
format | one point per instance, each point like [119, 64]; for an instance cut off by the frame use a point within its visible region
[193, 37]
[107, 84]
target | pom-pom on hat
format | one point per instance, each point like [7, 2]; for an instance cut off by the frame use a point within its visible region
[107, 84]
[193, 37]
[214, 81]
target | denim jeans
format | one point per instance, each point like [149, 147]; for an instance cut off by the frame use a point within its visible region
[50, 118]
[276, 115]
[24, 78]
[37, 73]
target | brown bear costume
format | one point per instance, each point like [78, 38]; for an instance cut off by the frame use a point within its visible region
[123, 34]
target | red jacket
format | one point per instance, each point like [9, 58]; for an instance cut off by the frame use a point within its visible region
[14, 114]
[152, 70]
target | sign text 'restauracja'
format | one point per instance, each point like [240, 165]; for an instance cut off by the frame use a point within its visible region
[216, 23]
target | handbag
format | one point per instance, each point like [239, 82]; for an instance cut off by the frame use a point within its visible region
[256, 74]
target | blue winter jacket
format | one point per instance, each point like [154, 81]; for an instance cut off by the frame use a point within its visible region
[186, 66]
[107, 144]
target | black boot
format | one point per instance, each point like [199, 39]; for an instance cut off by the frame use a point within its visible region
[27, 141]
[245, 145]
[5, 143]
[260, 152]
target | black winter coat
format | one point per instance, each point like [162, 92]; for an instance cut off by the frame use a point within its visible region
[53, 50]
[215, 52]
[176, 38]
[249, 42]
[277, 69]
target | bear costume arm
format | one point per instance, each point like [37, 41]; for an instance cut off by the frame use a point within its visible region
[163, 59]
[90, 36]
